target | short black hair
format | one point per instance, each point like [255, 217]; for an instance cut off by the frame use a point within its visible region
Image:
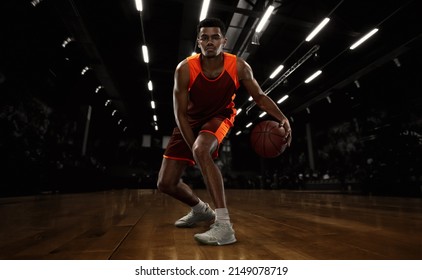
[211, 22]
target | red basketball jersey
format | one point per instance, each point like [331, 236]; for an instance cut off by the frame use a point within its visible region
[211, 97]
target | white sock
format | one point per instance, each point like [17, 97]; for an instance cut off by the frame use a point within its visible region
[200, 207]
[222, 215]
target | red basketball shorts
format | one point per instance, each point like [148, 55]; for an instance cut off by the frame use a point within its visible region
[177, 149]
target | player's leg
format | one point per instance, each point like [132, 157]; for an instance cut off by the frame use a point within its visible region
[170, 182]
[175, 160]
[204, 150]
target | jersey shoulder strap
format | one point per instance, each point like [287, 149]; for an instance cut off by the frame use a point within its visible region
[195, 69]
[230, 65]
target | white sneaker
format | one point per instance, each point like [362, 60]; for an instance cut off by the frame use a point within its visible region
[219, 234]
[194, 217]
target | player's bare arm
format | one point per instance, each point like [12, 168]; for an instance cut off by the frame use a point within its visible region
[263, 101]
[180, 101]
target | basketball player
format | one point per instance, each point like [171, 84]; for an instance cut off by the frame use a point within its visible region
[203, 97]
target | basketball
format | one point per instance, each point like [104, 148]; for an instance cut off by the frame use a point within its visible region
[268, 139]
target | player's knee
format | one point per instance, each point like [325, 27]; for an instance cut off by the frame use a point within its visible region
[161, 186]
[164, 186]
[200, 152]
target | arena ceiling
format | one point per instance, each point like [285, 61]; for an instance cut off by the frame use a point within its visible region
[107, 36]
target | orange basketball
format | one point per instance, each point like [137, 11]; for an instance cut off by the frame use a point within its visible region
[268, 139]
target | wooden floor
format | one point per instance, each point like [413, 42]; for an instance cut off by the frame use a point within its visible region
[270, 224]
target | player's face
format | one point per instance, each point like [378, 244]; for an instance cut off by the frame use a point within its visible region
[211, 41]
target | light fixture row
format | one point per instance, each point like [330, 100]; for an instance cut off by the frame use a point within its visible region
[311, 35]
[99, 87]
[146, 58]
